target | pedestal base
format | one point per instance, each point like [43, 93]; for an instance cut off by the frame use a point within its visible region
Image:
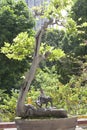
[47, 124]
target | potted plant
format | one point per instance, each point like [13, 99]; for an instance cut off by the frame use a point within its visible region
[43, 119]
[38, 118]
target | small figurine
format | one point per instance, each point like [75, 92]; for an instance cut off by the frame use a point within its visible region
[43, 99]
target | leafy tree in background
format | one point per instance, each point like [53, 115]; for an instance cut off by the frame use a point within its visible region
[53, 37]
[15, 17]
[73, 41]
[67, 40]
[80, 17]
[77, 39]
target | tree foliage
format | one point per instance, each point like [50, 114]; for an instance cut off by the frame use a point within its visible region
[79, 15]
[15, 18]
[72, 40]
[65, 78]
[22, 47]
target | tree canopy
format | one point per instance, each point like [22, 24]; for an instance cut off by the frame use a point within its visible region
[15, 18]
[54, 16]
[63, 50]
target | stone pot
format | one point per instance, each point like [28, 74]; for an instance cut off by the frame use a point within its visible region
[47, 124]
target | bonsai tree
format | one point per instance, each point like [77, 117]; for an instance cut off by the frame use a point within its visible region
[24, 45]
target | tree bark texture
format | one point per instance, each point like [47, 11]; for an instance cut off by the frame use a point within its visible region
[33, 112]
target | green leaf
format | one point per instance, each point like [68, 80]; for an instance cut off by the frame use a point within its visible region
[22, 46]
[56, 54]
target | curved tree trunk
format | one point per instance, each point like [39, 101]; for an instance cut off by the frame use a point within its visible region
[20, 109]
[24, 89]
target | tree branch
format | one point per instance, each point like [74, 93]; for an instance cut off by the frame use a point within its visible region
[39, 36]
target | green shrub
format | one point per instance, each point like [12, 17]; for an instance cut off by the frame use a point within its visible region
[8, 106]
